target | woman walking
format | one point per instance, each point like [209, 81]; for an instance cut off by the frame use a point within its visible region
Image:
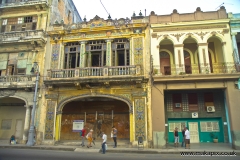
[90, 138]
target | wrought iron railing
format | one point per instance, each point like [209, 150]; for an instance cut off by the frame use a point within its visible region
[95, 72]
[21, 2]
[21, 35]
[16, 78]
[215, 68]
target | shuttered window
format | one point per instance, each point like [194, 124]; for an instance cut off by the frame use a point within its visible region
[179, 125]
[209, 126]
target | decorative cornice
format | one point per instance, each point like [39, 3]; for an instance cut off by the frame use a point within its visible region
[201, 34]
[188, 28]
[178, 35]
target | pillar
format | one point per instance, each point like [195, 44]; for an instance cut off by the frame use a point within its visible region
[109, 52]
[27, 122]
[155, 55]
[83, 54]
[0, 24]
[39, 22]
[203, 56]
[44, 21]
[179, 58]
[235, 48]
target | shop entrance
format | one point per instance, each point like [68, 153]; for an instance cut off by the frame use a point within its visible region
[99, 114]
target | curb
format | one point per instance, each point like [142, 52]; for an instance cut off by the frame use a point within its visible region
[40, 148]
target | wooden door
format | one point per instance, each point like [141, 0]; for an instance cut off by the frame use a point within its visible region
[194, 134]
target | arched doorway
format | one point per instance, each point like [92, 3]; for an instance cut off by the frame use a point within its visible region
[190, 45]
[165, 64]
[99, 114]
[216, 58]
[187, 62]
[12, 118]
[166, 48]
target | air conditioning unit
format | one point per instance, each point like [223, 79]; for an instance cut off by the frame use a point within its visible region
[178, 105]
[210, 109]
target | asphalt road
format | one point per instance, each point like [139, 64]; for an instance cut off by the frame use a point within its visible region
[32, 154]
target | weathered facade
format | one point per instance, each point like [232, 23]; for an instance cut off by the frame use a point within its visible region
[23, 41]
[195, 77]
[98, 72]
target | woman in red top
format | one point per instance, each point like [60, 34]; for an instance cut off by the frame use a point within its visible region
[83, 136]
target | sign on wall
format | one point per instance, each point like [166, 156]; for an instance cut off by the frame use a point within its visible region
[195, 115]
[78, 125]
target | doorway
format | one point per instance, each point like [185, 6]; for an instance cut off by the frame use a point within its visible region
[194, 134]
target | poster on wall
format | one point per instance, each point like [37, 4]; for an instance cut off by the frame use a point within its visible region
[78, 125]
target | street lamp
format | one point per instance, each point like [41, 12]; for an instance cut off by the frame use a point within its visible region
[31, 133]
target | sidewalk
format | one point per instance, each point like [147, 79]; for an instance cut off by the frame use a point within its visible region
[170, 149]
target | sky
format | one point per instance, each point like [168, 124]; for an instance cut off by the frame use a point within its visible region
[125, 8]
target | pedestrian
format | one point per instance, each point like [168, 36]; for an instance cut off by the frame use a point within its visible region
[12, 140]
[104, 138]
[90, 138]
[187, 138]
[183, 137]
[114, 131]
[83, 133]
[176, 137]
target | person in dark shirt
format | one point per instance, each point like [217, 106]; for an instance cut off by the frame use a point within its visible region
[183, 138]
[176, 137]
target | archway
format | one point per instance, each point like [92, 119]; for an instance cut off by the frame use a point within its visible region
[190, 46]
[99, 114]
[12, 118]
[166, 50]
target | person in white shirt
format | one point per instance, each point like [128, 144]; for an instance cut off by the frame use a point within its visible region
[187, 138]
[104, 138]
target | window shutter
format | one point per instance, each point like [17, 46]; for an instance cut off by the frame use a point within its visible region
[8, 28]
[19, 27]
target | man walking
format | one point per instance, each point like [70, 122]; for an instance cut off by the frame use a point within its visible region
[114, 136]
[104, 138]
[83, 133]
[187, 138]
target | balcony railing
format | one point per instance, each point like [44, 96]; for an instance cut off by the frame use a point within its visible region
[215, 68]
[21, 35]
[16, 78]
[95, 72]
[15, 3]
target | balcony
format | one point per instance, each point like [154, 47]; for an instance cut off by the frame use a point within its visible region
[17, 81]
[21, 36]
[95, 74]
[23, 3]
[197, 71]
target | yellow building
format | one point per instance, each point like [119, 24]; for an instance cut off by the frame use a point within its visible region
[195, 77]
[22, 42]
[98, 73]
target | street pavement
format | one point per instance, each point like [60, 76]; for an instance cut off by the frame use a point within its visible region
[30, 154]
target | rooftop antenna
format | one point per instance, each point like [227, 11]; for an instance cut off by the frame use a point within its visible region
[104, 8]
[219, 6]
[145, 12]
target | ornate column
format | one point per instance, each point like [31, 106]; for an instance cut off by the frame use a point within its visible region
[109, 52]
[203, 56]
[83, 54]
[179, 58]
[26, 123]
[235, 48]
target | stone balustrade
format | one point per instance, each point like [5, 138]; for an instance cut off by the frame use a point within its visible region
[95, 72]
[21, 35]
[215, 68]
